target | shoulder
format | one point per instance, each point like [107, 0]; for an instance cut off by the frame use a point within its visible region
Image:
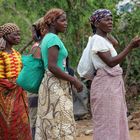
[16, 52]
[50, 40]
[99, 44]
[97, 38]
[35, 45]
[51, 36]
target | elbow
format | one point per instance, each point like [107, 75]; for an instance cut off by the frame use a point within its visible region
[51, 67]
[111, 64]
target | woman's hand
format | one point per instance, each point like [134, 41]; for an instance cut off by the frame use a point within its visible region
[135, 42]
[78, 85]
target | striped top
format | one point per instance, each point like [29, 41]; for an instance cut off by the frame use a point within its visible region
[10, 64]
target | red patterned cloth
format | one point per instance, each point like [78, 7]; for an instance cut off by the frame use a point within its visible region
[14, 121]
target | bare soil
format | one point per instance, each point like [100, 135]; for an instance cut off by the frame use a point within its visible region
[84, 131]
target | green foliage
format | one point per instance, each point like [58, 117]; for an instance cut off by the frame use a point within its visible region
[126, 26]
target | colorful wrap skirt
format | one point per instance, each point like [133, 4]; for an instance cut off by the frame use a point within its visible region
[55, 119]
[14, 121]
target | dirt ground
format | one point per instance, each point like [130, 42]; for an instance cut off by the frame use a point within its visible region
[84, 131]
[135, 135]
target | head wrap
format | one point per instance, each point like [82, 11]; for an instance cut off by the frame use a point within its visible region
[38, 23]
[99, 14]
[52, 15]
[8, 28]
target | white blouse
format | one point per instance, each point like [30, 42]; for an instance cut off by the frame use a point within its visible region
[100, 44]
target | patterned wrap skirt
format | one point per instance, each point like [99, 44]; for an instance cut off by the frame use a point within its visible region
[55, 118]
[108, 105]
[14, 120]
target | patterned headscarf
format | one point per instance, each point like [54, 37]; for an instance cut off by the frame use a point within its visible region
[8, 28]
[99, 14]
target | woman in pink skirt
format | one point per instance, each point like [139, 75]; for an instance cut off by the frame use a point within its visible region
[107, 90]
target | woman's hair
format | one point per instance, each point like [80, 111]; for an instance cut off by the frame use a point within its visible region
[51, 16]
[93, 28]
[38, 29]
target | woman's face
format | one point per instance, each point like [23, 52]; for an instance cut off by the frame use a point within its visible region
[105, 24]
[61, 23]
[13, 38]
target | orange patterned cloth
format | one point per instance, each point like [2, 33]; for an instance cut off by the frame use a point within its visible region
[14, 119]
[10, 64]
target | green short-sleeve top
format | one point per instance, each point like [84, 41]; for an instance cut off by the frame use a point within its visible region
[48, 41]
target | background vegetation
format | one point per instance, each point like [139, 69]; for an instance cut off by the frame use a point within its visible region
[126, 26]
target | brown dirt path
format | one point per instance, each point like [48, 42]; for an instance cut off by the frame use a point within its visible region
[84, 131]
[135, 135]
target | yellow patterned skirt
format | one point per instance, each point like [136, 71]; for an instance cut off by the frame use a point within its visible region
[55, 118]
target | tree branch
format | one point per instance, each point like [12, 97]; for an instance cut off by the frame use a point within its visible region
[24, 47]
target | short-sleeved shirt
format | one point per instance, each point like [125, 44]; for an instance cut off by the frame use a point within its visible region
[100, 44]
[51, 40]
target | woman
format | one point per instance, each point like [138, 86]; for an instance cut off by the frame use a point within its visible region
[14, 123]
[55, 119]
[107, 90]
[37, 34]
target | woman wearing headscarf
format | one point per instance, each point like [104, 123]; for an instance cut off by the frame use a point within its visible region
[14, 122]
[37, 35]
[55, 118]
[107, 94]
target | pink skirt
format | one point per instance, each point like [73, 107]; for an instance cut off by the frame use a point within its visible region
[108, 105]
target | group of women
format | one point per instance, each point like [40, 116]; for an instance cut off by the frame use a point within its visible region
[51, 112]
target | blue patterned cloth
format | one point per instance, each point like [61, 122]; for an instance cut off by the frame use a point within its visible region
[99, 14]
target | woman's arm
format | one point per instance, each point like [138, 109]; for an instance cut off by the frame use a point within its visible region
[52, 66]
[113, 61]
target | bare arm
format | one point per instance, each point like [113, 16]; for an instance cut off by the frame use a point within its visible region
[52, 66]
[113, 61]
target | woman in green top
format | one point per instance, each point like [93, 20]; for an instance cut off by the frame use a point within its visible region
[55, 119]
